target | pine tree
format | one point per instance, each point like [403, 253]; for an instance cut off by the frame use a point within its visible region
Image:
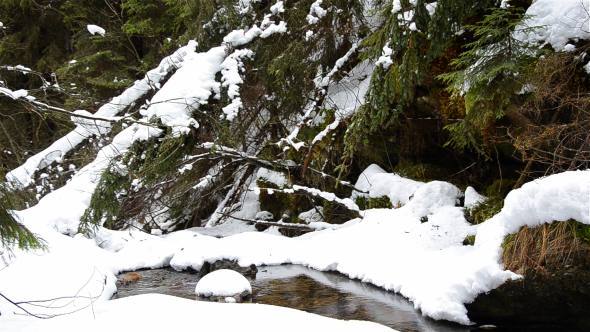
[12, 233]
[490, 74]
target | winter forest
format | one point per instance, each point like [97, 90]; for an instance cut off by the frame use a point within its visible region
[283, 165]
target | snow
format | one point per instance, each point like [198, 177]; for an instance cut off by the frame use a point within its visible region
[325, 81]
[232, 110]
[156, 312]
[396, 7]
[385, 59]
[312, 216]
[242, 37]
[223, 283]
[377, 182]
[349, 203]
[23, 175]
[189, 87]
[561, 197]
[441, 274]
[274, 28]
[346, 96]
[274, 177]
[472, 198]
[63, 208]
[277, 8]
[95, 30]
[556, 22]
[415, 249]
[316, 12]
[245, 6]
[231, 68]
[17, 94]
[439, 277]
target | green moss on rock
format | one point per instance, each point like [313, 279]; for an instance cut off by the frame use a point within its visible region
[381, 202]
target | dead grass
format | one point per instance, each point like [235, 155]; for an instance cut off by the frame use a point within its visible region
[546, 248]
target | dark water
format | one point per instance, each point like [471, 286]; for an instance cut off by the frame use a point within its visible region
[327, 294]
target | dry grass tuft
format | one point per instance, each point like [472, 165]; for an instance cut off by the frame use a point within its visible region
[547, 248]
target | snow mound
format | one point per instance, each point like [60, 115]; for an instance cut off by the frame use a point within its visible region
[555, 22]
[473, 198]
[558, 197]
[377, 182]
[223, 283]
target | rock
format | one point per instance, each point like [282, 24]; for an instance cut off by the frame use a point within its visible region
[224, 286]
[538, 300]
[248, 271]
[264, 216]
[129, 277]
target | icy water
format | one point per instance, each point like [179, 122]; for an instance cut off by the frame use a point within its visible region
[327, 294]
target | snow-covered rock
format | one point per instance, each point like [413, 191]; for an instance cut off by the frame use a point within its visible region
[377, 182]
[473, 198]
[223, 283]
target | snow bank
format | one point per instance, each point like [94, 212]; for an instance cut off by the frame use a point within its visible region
[396, 249]
[223, 283]
[70, 276]
[556, 22]
[558, 197]
[399, 250]
[377, 182]
[156, 312]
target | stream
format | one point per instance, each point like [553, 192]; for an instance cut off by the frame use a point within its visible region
[323, 293]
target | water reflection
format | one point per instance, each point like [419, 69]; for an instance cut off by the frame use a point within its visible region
[334, 295]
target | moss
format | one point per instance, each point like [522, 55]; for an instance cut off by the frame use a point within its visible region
[365, 203]
[419, 171]
[469, 240]
[485, 210]
[335, 213]
[500, 187]
[582, 232]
